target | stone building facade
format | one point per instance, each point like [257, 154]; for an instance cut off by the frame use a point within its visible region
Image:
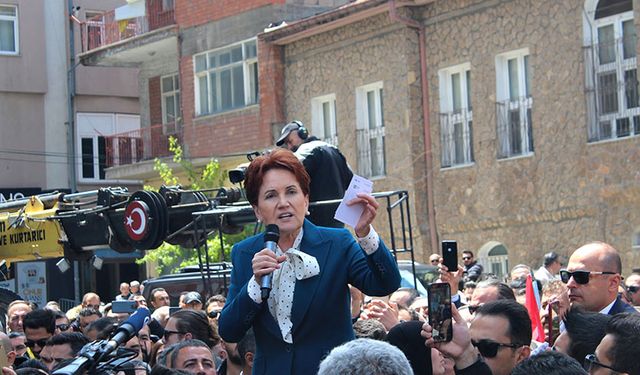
[534, 145]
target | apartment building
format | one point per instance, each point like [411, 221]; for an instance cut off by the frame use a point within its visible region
[46, 144]
[513, 123]
[199, 78]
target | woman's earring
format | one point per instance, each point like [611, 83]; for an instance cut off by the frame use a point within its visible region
[308, 213]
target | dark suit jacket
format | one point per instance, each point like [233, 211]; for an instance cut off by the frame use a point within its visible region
[321, 312]
[620, 307]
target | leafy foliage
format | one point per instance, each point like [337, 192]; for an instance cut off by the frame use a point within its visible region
[170, 258]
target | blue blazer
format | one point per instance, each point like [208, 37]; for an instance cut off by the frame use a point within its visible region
[621, 307]
[321, 312]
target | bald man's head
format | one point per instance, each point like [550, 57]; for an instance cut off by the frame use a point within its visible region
[600, 289]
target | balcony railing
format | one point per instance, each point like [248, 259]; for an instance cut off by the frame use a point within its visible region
[138, 145]
[104, 30]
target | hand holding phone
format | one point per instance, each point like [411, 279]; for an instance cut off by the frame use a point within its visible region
[450, 255]
[440, 318]
[120, 307]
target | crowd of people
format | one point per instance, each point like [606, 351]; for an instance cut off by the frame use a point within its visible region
[316, 300]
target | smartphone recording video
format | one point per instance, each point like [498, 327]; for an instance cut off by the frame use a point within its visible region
[440, 311]
[120, 307]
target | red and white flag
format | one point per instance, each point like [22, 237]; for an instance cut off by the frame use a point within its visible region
[534, 312]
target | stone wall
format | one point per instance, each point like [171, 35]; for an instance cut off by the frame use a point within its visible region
[564, 194]
[568, 191]
[339, 61]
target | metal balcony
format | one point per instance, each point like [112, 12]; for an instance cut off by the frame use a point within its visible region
[138, 145]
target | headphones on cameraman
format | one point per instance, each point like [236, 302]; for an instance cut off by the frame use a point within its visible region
[303, 133]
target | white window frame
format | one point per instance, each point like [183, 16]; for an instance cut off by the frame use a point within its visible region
[250, 82]
[170, 127]
[320, 123]
[113, 123]
[605, 126]
[91, 22]
[507, 105]
[368, 132]
[16, 30]
[451, 117]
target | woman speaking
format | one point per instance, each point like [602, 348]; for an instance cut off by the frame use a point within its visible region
[308, 311]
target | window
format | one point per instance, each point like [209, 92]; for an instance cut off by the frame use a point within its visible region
[170, 88]
[226, 79]
[370, 130]
[9, 30]
[612, 78]
[635, 241]
[92, 145]
[513, 91]
[456, 116]
[323, 118]
[95, 29]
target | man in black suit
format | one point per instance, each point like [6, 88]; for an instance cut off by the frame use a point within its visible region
[593, 276]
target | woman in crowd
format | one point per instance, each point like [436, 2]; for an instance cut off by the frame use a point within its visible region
[308, 311]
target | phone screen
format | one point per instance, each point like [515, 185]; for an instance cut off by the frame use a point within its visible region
[450, 255]
[440, 311]
[119, 307]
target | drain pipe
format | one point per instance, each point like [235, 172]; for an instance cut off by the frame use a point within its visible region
[393, 14]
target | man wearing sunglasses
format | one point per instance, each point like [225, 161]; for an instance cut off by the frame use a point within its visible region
[500, 334]
[39, 326]
[633, 289]
[593, 276]
[619, 350]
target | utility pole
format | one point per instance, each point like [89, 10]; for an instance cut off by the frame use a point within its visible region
[71, 131]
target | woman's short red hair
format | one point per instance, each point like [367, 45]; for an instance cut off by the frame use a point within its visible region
[277, 159]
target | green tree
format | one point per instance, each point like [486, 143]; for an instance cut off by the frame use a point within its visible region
[170, 258]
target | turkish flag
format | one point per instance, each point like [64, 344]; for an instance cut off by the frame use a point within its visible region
[534, 312]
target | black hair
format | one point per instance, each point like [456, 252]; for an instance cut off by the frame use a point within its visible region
[370, 329]
[31, 366]
[104, 326]
[88, 311]
[152, 295]
[40, 319]
[625, 328]
[468, 252]
[175, 350]
[504, 292]
[519, 322]
[196, 323]
[550, 258]
[13, 335]
[59, 314]
[585, 330]
[247, 344]
[549, 363]
[413, 294]
[75, 339]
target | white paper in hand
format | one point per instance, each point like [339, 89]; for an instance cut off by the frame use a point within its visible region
[351, 214]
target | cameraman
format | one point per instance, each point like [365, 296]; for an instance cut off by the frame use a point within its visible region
[327, 167]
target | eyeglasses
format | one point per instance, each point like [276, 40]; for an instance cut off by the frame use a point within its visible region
[213, 314]
[489, 349]
[168, 334]
[19, 347]
[435, 260]
[41, 343]
[591, 363]
[581, 277]
[466, 258]
[633, 288]
[63, 327]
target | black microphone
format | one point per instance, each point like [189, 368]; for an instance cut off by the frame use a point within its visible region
[128, 329]
[271, 237]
